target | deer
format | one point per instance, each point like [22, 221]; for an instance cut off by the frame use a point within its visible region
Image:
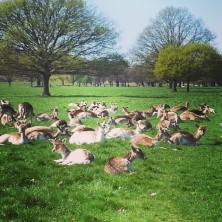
[142, 124]
[206, 109]
[180, 107]
[145, 140]
[187, 138]
[188, 115]
[25, 110]
[16, 137]
[71, 157]
[45, 132]
[6, 109]
[121, 133]
[88, 137]
[48, 117]
[119, 165]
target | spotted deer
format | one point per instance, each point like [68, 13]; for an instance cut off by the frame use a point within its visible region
[119, 165]
[70, 157]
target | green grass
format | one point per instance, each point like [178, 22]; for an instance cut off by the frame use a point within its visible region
[187, 182]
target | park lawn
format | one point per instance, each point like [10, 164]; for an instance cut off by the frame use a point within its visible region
[174, 183]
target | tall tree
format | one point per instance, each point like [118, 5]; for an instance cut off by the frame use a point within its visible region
[172, 26]
[46, 30]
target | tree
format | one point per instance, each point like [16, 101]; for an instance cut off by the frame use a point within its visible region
[46, 30]
[172, 26]
[188, 62]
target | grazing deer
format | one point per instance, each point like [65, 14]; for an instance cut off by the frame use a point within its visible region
[145, 140]
[78, 156]
[8, 110]
[187, 138]
[118, 165]
[48, 117]
[17, 137]
[25, 110]
[81, 137]
[188, 115]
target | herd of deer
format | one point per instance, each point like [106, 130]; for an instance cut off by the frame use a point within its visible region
[169, 118]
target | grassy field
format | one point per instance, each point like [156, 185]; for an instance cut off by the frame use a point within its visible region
[183, 185]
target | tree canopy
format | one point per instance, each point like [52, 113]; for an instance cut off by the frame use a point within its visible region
[188, 62]
[172, 26]
[47, 30]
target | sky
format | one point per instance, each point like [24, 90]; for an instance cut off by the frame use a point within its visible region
[130, 17]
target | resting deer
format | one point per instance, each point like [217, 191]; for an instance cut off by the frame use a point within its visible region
[188, 115]
[145, 140]
[48, 117]
[17, 137]
[78, 156]
[142, 124]
[81, 137]
[118, 165]
[187, 138]
[121, 133]
[180, 108]
[206, 109]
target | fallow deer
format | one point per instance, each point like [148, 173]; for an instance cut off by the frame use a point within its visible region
[188, 115]
[25, 110]
[118, 165]
[81, 137]
[48, 117]
[9, 111]
[180, 108]
[17, 137]
[70, 157]
[187, 138]
[145, 140]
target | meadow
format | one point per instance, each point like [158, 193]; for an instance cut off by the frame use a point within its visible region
[174, 183]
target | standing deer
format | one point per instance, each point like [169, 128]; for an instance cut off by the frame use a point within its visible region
[118, 165]
[25, 110]
[78, 156]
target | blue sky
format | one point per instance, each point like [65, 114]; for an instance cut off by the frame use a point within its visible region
[132, 16]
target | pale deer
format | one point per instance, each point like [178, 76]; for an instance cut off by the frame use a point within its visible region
[121, 133]
[118, 165]
[81, 137]
[187, 138]
[17, 137]
[188, 115]
[70, 157]
[145, 140]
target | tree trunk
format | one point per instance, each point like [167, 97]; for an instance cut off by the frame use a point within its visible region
[188, 84]
[174, 87]
[46, 85]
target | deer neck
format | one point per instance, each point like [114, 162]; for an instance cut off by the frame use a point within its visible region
[65, 151]
[130, 156]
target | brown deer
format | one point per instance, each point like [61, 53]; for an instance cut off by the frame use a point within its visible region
[145, 140]
[180, 107]
[188, 115]
[187, 138]
[6, 109]
[118, 165]
[48, 117]
[25, 110]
